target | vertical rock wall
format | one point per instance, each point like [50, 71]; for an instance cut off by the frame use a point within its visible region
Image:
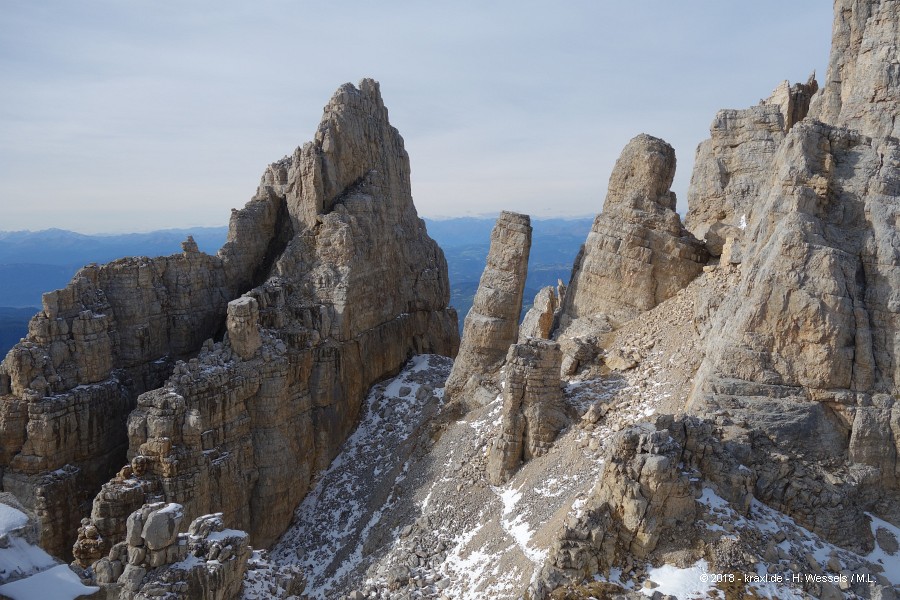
[733, 166]
[344, 285]
[862, 87]
[805, 347]
[243, 427]
[114, 332]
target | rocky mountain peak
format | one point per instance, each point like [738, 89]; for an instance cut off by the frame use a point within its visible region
[642, 177]
[226, 382]
[354, 143]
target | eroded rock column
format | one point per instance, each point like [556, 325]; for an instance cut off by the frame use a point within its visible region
[492, 324]
[637, 254]
[243, 326]
[533, 411]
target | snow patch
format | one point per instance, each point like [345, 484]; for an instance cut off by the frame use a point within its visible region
[11, 518]
[58, 583]
[881, 556]
[684, 584]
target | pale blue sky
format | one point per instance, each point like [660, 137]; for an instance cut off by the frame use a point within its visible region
[122, 115]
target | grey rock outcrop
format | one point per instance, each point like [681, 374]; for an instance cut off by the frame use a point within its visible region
[862, 87]
[637, 253]
[533, 411]
[640, 495]
[644, 500]
[335, 284]
[813, 316]
[538, 321]
[803, 347]
[208, 562]
[492, 324]
[793, 100]
[733, 166]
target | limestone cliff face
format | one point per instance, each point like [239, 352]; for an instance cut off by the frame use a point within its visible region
[243, 427]
[733, 165]
[341, 284]
[805, 346]
[862, 87]
[492, 324]
[533, 410]
[637, 253]
[114, 332]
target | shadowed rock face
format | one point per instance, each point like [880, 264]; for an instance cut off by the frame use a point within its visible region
[637, 253]
[341, 285]
[492, 324]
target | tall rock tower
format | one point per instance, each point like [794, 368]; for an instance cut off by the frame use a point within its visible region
[328, 282]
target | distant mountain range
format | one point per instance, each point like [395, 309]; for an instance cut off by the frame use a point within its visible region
[33, 262]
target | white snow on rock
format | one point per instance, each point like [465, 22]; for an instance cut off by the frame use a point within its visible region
[27, 572]
[20, 558]
[888, 558]
[57, 583]
[11, 518]
[684, 584]
[516, 526]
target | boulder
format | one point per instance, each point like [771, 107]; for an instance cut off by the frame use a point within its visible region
[538, 321]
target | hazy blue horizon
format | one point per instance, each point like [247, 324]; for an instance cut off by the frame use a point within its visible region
[123, 117]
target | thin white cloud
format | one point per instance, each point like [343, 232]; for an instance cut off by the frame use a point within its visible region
[133, 116]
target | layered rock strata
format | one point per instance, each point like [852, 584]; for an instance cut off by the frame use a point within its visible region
[114, 332]
[533, 409]
[208, 562]
[805, 348]
[492, 324]
[243, 427]
[341, 285]
[862, 87]
[637, 253]
[734, 164]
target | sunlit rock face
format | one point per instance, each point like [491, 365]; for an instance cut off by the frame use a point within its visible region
[637, 253]
[328, 282]
[492, 324]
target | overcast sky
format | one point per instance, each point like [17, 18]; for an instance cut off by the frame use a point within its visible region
[130, 116]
